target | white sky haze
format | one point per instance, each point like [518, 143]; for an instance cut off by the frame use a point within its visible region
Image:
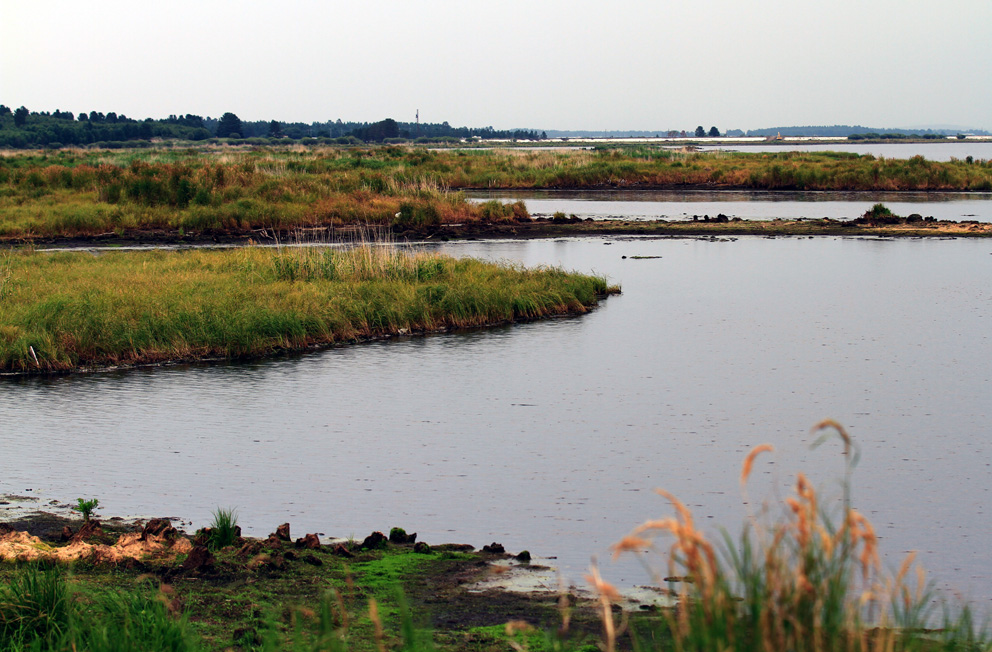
[650, 65]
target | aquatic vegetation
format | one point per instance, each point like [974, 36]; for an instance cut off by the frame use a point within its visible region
[224, 530]
[86, 507]
[74, 193]
[67, 310]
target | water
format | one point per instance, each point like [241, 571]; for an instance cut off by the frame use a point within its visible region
[550, 436]
[681, 205]
[945, 151]
[978, 149]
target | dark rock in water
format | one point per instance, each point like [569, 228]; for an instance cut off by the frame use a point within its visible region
[341, 551]
[200, 559]
[282, 532]
[374, 541]
[494, 548]
[313, 560]
[399, 535]
[65, 536]
[454, 547]
[310, 542]
[422, 548]
[523, 556]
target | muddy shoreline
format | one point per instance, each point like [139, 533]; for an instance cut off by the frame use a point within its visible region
[537, 228]
[453, 589]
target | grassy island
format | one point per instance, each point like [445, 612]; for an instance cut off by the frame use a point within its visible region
[69, 310]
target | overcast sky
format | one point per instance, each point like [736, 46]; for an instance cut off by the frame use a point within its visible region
[570, 64]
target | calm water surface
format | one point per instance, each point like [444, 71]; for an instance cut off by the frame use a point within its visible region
[551, 436]
[945, 151]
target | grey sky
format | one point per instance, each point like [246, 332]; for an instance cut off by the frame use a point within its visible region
[540, 64]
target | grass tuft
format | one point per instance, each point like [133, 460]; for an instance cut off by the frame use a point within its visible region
[801, 582]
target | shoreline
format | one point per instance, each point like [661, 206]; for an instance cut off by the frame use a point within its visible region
[460, 595]
[535, 228]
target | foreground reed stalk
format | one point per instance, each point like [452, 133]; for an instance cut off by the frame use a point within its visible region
[798, 583]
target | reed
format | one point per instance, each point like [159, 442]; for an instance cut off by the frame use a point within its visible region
[69, 310]
[802, 582]
[224, 530]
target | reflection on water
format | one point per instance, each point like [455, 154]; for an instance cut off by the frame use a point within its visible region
[749, 205]
[551, 436]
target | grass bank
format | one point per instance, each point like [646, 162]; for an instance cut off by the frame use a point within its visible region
[225, 191]
[69, 310]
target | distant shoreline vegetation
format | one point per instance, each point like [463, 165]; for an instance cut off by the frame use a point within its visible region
[22, 128]
[223, 191]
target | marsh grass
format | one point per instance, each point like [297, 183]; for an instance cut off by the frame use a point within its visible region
[801, 582]
[41, 610]
[224, 530]
[66, 310]
[80, 193]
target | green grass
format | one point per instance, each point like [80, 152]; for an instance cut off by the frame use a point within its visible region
[67, 310]
[40, 610]
[224, 529]
[79, 193]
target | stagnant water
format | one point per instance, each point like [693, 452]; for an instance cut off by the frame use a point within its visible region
[683, 205]
[550, 436]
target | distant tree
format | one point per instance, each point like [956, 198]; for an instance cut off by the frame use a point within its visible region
[4, 110]
[379, 131]
[700, 132]
[229, 126]
[544, 135]
[714, 132]
[111, 118]
[20, 116]
[275, 129]
[83, 117]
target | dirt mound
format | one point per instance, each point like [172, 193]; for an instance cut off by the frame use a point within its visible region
[21, 546]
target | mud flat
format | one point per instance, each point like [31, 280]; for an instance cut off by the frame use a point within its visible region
[236, 595]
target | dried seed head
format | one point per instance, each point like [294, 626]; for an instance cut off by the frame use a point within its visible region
[749, 460]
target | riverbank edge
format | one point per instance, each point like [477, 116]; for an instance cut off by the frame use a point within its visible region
[284, 352]
[455, 589]
[537, 228]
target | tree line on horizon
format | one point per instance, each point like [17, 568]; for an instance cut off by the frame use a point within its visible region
[21, 128]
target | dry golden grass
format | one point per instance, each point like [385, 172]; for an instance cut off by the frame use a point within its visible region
[797, 583]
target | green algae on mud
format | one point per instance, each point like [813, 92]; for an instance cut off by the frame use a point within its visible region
[277, 594]
[66, 311]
